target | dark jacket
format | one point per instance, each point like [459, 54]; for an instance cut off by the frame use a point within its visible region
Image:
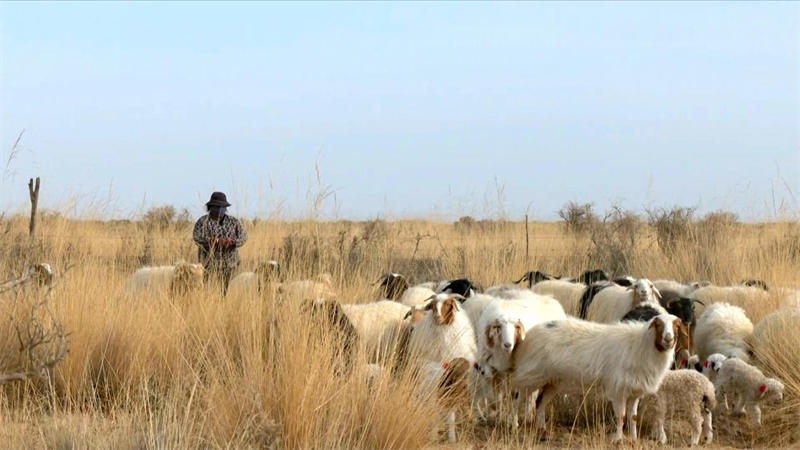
[215, 257]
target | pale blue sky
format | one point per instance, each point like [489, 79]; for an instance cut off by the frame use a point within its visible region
[409, 109]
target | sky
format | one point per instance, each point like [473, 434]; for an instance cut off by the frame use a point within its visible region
[401, 110]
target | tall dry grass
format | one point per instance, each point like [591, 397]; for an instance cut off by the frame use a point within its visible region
[211, 372]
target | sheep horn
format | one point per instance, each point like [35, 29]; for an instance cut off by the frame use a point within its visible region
[698, 301]
[524, 277]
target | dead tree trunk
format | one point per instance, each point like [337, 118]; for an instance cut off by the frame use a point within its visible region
[33, 190]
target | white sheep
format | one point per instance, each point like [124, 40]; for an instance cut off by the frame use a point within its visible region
[444, 332]
[503, 326]
[613, 302]
[723, 328]
[321, 287]
[712, 365]
[450, 384]
[174, 280]
[735, 295]
[748, 387]
[566, 292]
[416, 295]
[681, 289]
[628, 360]
[684, 391]
[263, 279]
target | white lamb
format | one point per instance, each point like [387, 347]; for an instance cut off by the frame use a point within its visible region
[712, 365]
[683, 391]
[748, 387]
[723, 328]
[613, 302]
[171, 280]
[628, 360]
[567, 293]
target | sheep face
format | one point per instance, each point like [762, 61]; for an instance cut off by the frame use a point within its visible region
[666, 328]
[483, 367]
[505, 333]
[444, 308]
[393, 285]
[42, 273]
[771, 391]
[644, 291]
[713, 364]
[532, 278]
[464, 287]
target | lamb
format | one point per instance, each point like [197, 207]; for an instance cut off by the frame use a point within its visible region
[628, 360]
[261, 280]
[723, 328]
[712, 365]
[318, 288]
[613, 302]
[445, 332]
[174, 280]
[683, 391]
[748, 386]
[393, 285]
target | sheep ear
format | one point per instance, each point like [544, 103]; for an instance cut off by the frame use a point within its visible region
[629, 287]
[409, 313]
[763, 390]
[655, 291]
[488, 332]
[449, 309]
[519, 334]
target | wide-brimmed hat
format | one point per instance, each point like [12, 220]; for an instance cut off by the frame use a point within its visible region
[218, 199]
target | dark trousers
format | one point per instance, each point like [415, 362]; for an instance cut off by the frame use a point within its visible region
[221, 274]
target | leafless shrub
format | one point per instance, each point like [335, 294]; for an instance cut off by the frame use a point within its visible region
[615, 239]
[579, 219]
[672, 226]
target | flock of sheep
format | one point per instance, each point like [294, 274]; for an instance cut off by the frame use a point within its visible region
[669, 346]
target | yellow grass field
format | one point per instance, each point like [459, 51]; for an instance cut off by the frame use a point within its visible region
[205, 371]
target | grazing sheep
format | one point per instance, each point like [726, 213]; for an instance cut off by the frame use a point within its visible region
[680, 289]
[42, 274]
[445, 332]
[393, 286]
[592, 276]
[684, 391]
[567, 293]
[612, 303]
[532, 278]
[628, 360]
[735, 295]
[416, 296]
[375, 326]
[748, 387]
[174, 280]
[318, 288]
[261, 280]
[782, 324]
[464, 287]
[723, 328]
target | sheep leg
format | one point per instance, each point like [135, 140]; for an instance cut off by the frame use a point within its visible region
[697, 423]
[451, 426]
[633, 418]
[755, 413]
[546, 394]
[722, 402]
[619, 413]
[739, 405]
[661, 434]
[708, 429]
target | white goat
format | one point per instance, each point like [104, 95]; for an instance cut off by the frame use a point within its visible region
[445, 332]
[628, 360]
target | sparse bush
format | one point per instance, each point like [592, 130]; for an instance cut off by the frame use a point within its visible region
[579, 219]
[159, 217]
[615, 239]
[672, 226]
